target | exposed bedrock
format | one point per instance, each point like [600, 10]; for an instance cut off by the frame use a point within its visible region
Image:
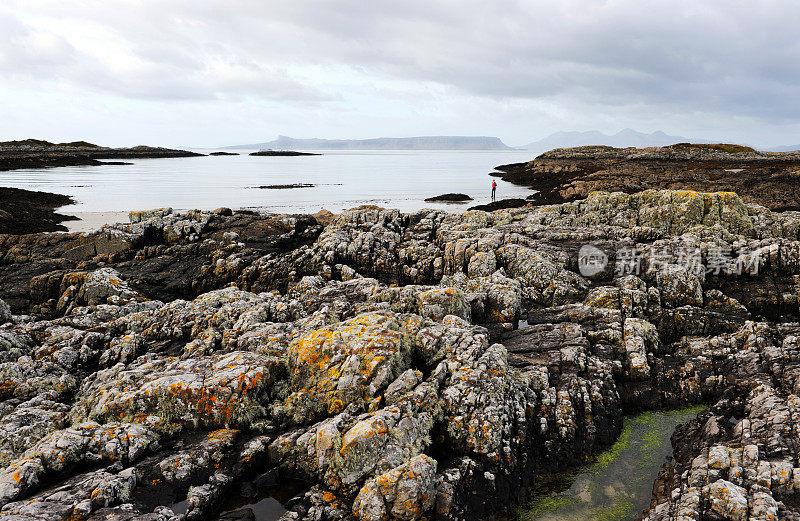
[769, 179]
[181, 359]
[25, 211]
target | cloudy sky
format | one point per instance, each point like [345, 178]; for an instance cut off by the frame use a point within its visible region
[214, 72]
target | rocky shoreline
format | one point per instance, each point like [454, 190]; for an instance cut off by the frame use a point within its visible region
[403, 366]
[771, 179]
[25, 211]
[34, 153]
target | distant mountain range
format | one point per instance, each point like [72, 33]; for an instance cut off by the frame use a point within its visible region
[383, 143]
[789, 148]
[622, 139]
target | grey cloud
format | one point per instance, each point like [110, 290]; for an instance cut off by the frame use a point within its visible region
[723, 56]
[168, 67]
[25, 51]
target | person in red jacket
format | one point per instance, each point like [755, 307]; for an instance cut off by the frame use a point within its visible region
[494, 189]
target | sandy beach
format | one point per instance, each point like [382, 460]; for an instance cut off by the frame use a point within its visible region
[92, 221]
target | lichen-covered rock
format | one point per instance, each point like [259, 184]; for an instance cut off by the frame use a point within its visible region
[641, 338]
[78, 497]
[29, 422]
[727, 500]
[14, 344]
[25, 378]
[206, 455]
[440, 302]
[407, 492]
[65, 449]
[347, 362]
[679, 288]
[403, 365]
[105, 286]
[5, 313]
[216, 391]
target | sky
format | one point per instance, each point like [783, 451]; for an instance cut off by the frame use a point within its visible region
[213, 72]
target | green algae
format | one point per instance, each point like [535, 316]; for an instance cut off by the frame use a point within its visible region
[544, 504]
[618, 485]
[605, 459]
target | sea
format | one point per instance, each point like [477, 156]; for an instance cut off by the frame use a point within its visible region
[342, 179]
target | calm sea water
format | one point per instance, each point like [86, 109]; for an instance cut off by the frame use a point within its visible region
[344, 179]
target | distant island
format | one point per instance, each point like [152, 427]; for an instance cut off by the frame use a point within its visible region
[785, 148]
[622, 139]
[384, 143]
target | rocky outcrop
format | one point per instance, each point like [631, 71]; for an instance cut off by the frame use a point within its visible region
[449, 198]
[502, 204]
[766, 178]
[24, 211]
[270, 153]
[286, 187]
[35, 153]
[401, 366]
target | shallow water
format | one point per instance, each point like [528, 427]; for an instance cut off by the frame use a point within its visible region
[267, 509]
[343, 179]
[619, 485]
[266, 502]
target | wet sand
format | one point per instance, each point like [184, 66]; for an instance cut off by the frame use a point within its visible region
[93, 221]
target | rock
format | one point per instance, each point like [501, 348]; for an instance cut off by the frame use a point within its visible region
[502, 204]
[727, 500]
[679, 288]
[324, 217]
[440, 302]
[641, 338]
[482, 264]
[105, 285]
[449, 198]
[403, 384]
[25, 379]
[61, 450]
[5, 312]
[406, 492]
[158, 213]
[223, 211]
[28, 423]
[286, 187]
[282, 153]
[213, 391]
